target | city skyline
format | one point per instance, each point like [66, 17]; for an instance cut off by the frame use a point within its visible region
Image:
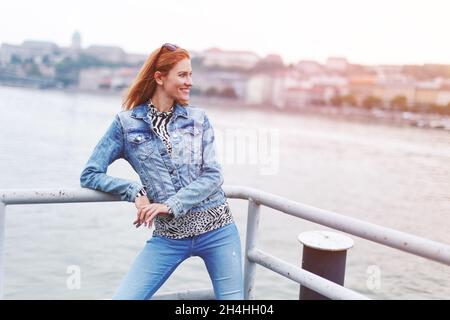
[400, 32]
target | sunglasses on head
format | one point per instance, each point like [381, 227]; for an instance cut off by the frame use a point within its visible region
[168, 46]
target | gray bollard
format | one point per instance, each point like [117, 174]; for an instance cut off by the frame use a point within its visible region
[324, 254]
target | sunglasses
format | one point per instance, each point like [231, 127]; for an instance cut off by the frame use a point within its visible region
[168, 46]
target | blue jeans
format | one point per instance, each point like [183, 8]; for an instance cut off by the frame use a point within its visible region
[220, 249]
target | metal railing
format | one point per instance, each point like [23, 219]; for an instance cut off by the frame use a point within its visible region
[253, 256]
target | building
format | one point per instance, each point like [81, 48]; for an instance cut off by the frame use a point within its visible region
[76, 41]
[27, 50]
[388, 91]
[135, 59]
[205, 81]
[230, 59]
[443, 96]
[110, 54]
[271, 89]
[106, 78]
[361, 86]
[309, 67]
[337, 64]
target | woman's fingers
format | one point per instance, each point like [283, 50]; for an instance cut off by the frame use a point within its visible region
[141, 214]
[146, 214]
[138, 214]
[151, 216]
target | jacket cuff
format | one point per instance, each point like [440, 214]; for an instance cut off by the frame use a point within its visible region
[132, 192]
[176, 207]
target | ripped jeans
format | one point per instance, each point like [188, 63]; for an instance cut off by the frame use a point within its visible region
[220, 249]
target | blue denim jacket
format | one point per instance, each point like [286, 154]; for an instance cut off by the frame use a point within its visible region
[190, 180]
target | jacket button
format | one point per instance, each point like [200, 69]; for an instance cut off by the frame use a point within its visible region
[137, 139]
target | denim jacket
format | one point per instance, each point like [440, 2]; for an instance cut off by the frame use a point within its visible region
[189, 180]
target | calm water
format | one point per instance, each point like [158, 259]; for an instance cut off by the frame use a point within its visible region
[397, 177]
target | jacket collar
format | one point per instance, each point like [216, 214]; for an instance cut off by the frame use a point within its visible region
[141, 111]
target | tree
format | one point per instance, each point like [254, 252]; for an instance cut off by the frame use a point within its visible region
[370, 102]
[336, 100]
[212, 91]
[67, 72]
[46, 60]
[15, 59]
[436, 108]
[197, 62]
[349, 99]
[229, 92]
[399, 103]
[33, 70]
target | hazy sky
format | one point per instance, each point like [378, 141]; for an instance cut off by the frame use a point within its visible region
[369, 32]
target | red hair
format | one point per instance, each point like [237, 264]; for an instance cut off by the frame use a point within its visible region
[144, 86]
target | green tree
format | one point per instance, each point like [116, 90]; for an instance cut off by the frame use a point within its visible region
[46, 60]
[212, 91]
[86, 61]
[33, 70]
[67, 71]
[15, 59]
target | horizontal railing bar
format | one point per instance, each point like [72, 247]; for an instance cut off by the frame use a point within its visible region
[425, 248]
[69, 195]
[304, 277]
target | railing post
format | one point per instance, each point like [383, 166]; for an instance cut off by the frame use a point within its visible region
[2, 246]
[250, 243]
[324, 254]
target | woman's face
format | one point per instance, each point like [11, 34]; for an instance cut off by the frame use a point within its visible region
[178, 81]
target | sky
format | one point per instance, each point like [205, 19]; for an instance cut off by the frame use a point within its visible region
[363, 31]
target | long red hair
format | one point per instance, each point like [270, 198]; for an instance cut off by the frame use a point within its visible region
[144, 86]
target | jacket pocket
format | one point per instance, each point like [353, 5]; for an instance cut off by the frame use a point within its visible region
[141, 148]
[140, 143]
[192, 145]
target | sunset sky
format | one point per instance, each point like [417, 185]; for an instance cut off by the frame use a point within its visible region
[367, 32]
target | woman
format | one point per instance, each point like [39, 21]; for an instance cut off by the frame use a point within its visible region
[170, 145]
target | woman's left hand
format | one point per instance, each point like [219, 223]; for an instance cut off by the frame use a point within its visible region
[147, 213]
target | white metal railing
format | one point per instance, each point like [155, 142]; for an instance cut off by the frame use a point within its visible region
[392, 238]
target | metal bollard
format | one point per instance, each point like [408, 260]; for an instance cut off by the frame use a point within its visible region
[324, 254]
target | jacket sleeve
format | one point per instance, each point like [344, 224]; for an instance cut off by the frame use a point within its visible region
[207, 182]
[108, 149]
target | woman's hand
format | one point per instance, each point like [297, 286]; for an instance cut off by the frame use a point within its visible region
[147, 212]
[141, 201]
